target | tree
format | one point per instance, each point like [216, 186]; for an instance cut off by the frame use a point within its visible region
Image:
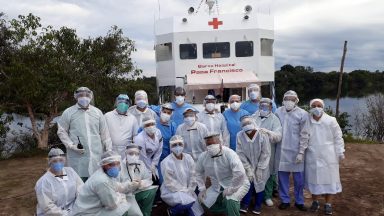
[42, 66]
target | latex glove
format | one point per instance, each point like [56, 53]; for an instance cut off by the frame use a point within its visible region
[264, 130]
[228, 191]
[74, 148]
[341, 157]
[259, 175]
[155, 173]
[202, 196]
[250, 175]
[299, 158]
[127, 187]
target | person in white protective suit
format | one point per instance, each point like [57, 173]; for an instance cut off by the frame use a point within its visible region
[123, 126]
[213, 120]
[269, 123]
[57, 189]
[103, 194]
[323, 136]
[254, 150]
[84, 132]
[150, 141]
[178, 188]
[133, 170]
[141, 109]
[193, 133]
[290, 152]
[229, 183]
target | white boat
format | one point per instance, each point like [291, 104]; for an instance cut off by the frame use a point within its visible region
[220, 54]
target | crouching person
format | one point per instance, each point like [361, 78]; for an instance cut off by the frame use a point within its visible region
[57, 189]
[229, 183]
[178, 188]
[141, 192]
[103, 194]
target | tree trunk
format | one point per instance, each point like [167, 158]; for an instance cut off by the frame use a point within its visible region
[41, 136]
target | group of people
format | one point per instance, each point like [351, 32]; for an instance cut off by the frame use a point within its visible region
[128, 160]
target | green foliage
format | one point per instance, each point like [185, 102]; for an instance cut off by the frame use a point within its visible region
[342, 120]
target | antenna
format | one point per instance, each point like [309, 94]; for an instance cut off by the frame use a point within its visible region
[158, 2]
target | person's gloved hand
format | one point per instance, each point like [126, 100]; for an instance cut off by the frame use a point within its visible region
[250, 175]
[228, 191]
[154, 171]
[341, 157]
[202, 196]
[259, 175]
[264, 130]
[299, 158]
[74, 148]
[134, 185]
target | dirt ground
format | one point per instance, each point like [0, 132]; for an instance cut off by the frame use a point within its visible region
[362, 175]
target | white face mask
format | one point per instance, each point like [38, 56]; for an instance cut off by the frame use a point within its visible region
[210, 107]
[83, 101]
[150, 130]
[253, 95]
[165, 117]
[289, 105]
[248, 128]
[141, 103]
[213, 149]
[189, 120]
[177, 150]
[317, 111]
[132, 158]
[180, 100]
[235, 105]
[264, 113]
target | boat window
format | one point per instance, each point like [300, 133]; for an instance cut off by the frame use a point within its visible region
[266, 46]
[216, 50]
[164, 52]
[188, 51]
[244, 48]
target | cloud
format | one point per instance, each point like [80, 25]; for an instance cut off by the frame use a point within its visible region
[309, 33]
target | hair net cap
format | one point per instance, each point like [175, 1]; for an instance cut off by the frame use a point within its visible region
[290, 93]
[167, 106]
[109, 157]
[141, 93]
[318, 100]
[55, 152]
[211, 135]
[209, 97]
[233, 96]
[147, 120]
[253, 86]
[187, 110]
[133, 146]
[266, 101]
[176, 139]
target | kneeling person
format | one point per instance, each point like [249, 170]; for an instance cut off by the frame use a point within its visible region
[103, 194]
[229, 182]
[178, 188]
[139, 178]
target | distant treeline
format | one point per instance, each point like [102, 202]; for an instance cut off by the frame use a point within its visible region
[309, 84]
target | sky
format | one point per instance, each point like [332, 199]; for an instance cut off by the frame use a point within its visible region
[307, 32]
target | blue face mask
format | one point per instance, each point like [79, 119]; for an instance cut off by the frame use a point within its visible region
[113, 171]
[57, 166]
[122, 108]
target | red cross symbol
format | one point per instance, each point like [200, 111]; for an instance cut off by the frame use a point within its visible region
[215, 23]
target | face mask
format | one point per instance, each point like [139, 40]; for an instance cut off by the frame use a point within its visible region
[264, 111]
[213, 149]
[248, 128]
[317, 111]
[180, 100]
[189, 120]
[122, 108]
[132, 158]
[210, 107]
[113, 172]
[289, 105]
[254, 95]
[165, 117]
[141, 104]
[235, 105]
[150, 130]
[83, 101]
[177, 150]
[57, 166]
